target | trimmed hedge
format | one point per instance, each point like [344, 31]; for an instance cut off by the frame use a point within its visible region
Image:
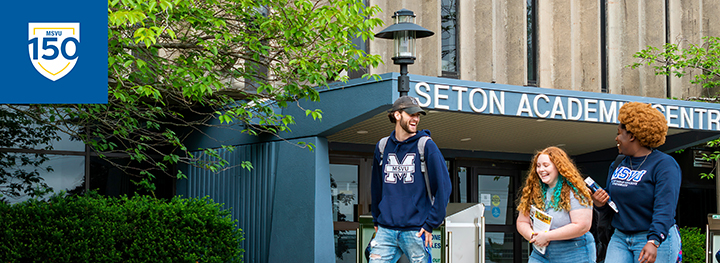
[693, 244]
[93, 228]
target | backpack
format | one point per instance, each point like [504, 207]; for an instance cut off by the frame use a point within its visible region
[602, 228]
[423, 166]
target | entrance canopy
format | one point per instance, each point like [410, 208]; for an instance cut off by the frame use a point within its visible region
[498, 121]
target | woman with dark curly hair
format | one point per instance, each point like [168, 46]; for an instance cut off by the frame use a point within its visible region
[555, 186]
[645, 187]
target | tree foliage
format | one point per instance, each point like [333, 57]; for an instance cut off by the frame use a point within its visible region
[672, 59]
[178, 67]
[676, 61]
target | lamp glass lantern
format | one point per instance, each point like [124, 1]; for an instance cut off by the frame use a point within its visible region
[404, 40]
[405, 44]
[404, 32]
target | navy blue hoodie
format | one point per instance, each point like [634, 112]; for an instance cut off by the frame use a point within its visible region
[399, 196]
[647, 196]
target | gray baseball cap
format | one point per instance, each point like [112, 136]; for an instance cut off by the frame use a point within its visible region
[407, 104]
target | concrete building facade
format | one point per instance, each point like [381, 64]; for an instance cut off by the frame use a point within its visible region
[579, 45]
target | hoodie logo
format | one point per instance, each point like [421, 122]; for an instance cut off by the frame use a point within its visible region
[624, 176]
[396, 171]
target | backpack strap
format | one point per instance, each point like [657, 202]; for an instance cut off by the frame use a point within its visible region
[423, 166]
[617, 161]
[381, 147]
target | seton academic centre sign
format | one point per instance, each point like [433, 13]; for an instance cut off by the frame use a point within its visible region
[507, 100]
[54, 52]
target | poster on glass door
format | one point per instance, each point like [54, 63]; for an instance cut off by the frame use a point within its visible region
[493, 193]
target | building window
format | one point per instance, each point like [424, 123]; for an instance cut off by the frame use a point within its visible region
[532, 43]
[361, 45]
[35, 157]
[448, 18]
[603, 48]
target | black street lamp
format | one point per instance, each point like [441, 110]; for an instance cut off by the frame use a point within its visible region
[404, 32]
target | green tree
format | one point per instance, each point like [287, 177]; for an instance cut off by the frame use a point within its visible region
[672, 59]
[676, 61]
[177, 67]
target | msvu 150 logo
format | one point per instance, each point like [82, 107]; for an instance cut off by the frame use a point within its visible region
[53, 48]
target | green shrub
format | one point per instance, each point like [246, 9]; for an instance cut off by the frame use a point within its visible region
[693, 244]
[94, 228]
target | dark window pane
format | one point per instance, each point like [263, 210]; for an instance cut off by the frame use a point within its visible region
[463, 183]
[109, 179]
[448, 18]
[361, 45]
[345, 251]
[499, 247]
[531, 43]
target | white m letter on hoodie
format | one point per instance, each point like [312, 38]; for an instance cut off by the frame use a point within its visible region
[400, 171]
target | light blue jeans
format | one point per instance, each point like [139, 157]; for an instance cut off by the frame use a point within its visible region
[390, 244]
[577, 250]
[626, 247]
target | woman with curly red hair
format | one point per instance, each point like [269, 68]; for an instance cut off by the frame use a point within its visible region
[555, 186]
[645, 186]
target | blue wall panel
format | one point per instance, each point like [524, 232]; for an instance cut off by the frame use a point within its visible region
[248, 194]
[302, 220]
[283, 205]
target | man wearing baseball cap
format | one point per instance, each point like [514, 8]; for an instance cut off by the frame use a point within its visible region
[407, 204]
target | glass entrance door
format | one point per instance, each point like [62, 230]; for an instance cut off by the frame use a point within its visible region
[494, 192]
[350, 188]
[495, 185]
[344, 187]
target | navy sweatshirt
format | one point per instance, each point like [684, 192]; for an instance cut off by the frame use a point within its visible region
[399, 196]
[647, 196]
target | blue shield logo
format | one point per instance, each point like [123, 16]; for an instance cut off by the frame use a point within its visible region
[53, 48]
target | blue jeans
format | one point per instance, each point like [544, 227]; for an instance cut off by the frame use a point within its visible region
[577, 250]
[626, 247]
[389, 245]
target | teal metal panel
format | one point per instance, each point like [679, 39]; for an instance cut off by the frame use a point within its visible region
[302, 226]
[283, 202]
[248, 194]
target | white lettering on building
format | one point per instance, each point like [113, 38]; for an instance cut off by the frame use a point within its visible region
[471, 98]
[590, 109]
[439, 97]
[460, 91]
[558, 109]
[535, 105]
[423, 94]
[488, 101]
[685, 116]
[608, 114]
[524, 106]
[499, 103]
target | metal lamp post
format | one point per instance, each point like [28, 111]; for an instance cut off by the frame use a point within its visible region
[404, 32]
